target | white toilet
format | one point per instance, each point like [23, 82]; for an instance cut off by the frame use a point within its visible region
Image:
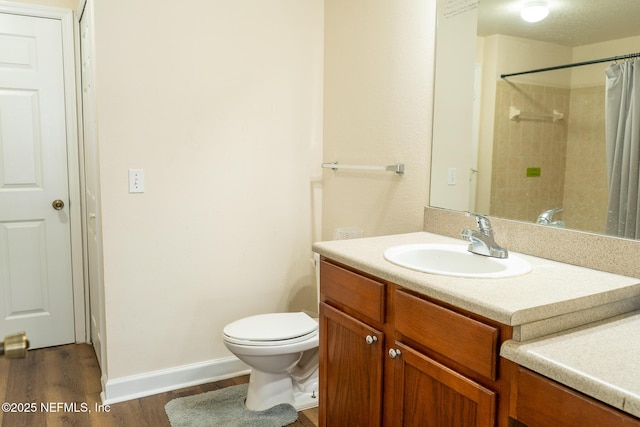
[282, 351]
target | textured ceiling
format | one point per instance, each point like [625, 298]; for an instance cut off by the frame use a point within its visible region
[570, 22]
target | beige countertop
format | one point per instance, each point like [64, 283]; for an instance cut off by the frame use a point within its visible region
[550, 290]
[600, 359]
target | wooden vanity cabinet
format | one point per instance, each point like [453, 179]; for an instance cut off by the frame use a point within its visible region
[541, 402]
[389, 357]
[351, 348]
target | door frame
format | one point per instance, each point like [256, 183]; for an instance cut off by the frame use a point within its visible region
[65, 16]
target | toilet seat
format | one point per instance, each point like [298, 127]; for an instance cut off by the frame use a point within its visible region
[272, 329]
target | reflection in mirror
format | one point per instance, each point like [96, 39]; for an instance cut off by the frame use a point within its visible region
[529, 147]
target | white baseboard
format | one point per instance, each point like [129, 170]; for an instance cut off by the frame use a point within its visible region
[141, 385]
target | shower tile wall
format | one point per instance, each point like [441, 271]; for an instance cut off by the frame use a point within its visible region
[570, 153]
[528, 143]
[585, 191]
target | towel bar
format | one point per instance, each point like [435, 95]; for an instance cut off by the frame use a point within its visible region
[397, 168]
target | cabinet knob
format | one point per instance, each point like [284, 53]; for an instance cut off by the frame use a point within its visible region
[393, 353]
[370, 339]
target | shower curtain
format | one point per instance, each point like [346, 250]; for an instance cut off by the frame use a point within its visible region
[622, 110]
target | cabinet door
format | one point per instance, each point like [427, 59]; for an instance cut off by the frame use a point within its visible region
[351, 357]
[427, 393]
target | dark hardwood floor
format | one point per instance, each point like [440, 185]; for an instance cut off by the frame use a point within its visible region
[70, 375]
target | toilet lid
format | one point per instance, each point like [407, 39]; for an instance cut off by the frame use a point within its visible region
[271, 327]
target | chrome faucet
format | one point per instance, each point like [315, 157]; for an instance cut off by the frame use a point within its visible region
[482, 241]
[546, 217]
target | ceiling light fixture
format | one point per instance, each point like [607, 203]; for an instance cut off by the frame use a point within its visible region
[534, 11]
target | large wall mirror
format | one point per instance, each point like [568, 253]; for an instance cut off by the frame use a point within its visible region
[519, 146]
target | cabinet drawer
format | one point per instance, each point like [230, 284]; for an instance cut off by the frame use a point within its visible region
[359, 293]
[459, 338]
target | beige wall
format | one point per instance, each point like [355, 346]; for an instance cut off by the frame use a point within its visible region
[516, 54]
[377, 111]
[591, 75]
[220, 104]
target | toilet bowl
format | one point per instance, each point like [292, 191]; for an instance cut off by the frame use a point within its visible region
[282, 351]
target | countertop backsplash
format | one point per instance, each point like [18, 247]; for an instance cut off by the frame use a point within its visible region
[596, 251]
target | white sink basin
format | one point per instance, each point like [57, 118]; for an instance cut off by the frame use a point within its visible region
[455, 260]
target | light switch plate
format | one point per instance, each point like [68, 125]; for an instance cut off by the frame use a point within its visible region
[136, 181]
[451, 178]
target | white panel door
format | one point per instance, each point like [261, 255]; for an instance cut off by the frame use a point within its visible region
[36, 294]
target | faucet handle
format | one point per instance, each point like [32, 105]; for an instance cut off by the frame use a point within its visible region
[483, 222]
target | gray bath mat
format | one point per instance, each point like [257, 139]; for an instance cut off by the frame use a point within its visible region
[225, 408]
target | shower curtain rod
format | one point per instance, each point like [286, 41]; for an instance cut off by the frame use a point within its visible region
[577, 64]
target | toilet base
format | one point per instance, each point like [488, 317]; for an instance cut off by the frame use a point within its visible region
[305, 400]
[306, 392]
[267, 390]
